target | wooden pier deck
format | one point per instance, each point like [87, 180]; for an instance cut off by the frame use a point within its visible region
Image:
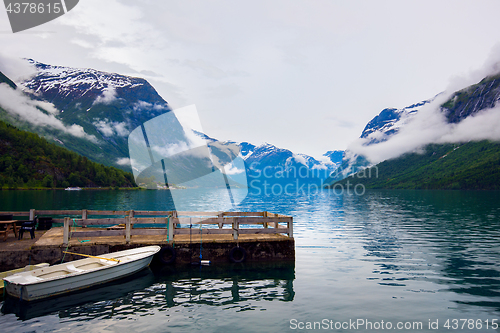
[263, 236]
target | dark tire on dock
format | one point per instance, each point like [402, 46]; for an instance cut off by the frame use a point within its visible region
[167, 255]
[237, 254]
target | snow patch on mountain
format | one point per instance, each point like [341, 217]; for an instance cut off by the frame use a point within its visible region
[67, 79]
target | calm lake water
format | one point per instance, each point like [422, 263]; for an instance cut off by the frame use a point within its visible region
[377, 262]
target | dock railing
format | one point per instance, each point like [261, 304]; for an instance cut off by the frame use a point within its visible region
[167, 223]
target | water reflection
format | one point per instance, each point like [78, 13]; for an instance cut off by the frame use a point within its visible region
[226, 284]
[450, 239]
[161, 288]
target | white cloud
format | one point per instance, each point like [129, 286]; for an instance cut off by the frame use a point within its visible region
[123, 161]
[108, 96]
[47, 106]
[16, 69]
[170, 150]
[428, 126]
[231, 169]
[143, 105]
[110, 128]
[18, 104]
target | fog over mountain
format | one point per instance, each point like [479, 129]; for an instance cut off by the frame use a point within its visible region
[410, 129]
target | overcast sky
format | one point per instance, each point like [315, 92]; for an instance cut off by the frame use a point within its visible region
[306, 75]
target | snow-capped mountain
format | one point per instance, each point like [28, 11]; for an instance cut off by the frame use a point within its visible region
[104, 107]
[107, 106]
[461, 105]
[388, 122]
[335, 156]
[267, 162]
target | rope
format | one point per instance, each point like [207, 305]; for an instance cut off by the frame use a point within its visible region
[87, 255]
[70, 233]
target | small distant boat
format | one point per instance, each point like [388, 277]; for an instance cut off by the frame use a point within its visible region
[73, 189]
[79, 274]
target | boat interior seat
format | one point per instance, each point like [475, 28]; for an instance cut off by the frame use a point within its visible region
[73, 268]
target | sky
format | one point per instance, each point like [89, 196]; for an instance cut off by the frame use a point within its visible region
[300, 74]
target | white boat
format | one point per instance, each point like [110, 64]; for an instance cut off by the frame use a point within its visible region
[78, 274]
[73, 188]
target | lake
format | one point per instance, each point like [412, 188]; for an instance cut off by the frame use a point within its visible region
[382, 261]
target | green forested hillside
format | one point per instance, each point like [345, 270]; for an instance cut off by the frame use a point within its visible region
[26, 160]
[466, 166]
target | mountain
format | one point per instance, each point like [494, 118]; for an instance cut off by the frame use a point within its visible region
[26, 160]
[467, 166]
[470, 163]
[471, 100]
[384, 125]
[335, 156]
[103, 106]
[106, 107]
[274, 165]
[388, 122]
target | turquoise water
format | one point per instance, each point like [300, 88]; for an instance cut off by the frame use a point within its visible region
[401, 258]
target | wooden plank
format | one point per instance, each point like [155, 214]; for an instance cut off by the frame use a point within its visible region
[149, 220]
[58, 212]
[16, 213]
[148, 212]
[97, 233]
[149, 232]
[194, 214]
[107, 212]
[196, 220]
[244, 220]
[185, 231]
[87, 222]
[254, 214]
[263, 231]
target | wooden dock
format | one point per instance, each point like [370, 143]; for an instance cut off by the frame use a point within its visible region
[262, 236]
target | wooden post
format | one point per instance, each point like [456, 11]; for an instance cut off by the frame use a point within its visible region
[128, 220]
[66, 231]
[290, 227]
[170, 229]
[32, 214]
[236, 227]
[84, 217]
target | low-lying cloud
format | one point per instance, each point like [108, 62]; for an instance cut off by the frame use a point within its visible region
[108, 96]
[19, 105]
[16, 69]
[111, 128]
[428, 126]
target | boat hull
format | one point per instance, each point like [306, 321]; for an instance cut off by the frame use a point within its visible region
[76, 279]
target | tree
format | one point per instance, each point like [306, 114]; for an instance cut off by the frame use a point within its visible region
[48, 181]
